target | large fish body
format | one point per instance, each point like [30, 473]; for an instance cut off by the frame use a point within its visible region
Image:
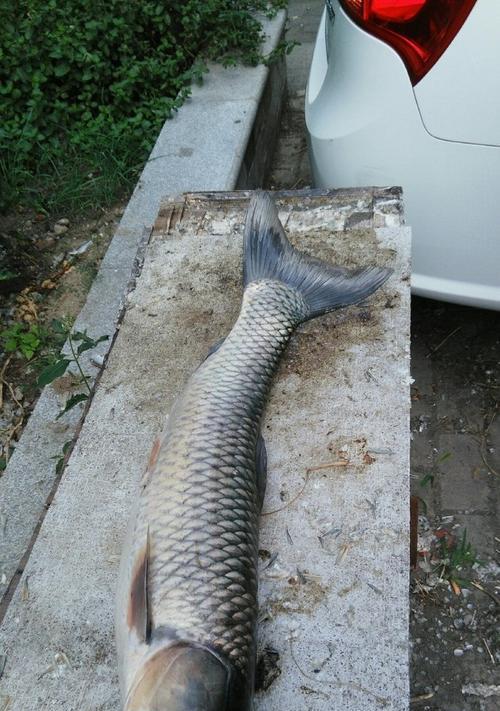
[187, 595]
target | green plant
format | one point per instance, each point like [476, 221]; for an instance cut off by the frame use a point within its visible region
[23, 338]
[427, 479]
[457, 557]
[60, 459]
[85, 86]
[78, 342]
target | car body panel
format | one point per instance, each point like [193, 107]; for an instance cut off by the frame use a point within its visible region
[465, 80]
[365, 128]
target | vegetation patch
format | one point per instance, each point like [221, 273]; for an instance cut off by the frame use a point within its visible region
[86, 85]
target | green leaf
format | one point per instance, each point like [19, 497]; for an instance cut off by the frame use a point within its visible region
[72, 402]
[5, 274]
[59, 326]
[61, 69]
[52, 372]
[428, 478]
[77, 336]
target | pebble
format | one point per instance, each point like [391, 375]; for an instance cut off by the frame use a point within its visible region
[63, 221]
[97, 360]
[81, 249]
[458, 652]
[458, 623]
[60, 229]
[45, 243]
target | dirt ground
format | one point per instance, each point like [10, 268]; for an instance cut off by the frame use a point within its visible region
[456, 471]
[52, 263]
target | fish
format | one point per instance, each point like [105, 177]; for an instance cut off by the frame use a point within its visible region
[186, 606]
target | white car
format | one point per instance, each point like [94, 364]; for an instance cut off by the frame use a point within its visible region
[407, 92]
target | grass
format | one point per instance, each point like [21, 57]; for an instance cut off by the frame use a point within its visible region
[457, 559]
[77, 181]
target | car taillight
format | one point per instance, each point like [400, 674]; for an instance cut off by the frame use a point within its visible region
[419, 30]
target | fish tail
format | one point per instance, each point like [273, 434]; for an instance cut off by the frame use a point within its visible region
[269, 255]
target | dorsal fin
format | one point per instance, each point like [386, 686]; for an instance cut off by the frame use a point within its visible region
[139, 612]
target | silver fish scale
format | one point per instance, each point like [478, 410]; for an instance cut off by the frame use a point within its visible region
[200, 504]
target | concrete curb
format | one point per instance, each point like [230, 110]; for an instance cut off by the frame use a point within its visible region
[221, 138]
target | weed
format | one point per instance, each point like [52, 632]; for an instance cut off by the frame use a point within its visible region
[78, 343]
[22, 338]
[457, 557]
[60, 459]
[427, 479]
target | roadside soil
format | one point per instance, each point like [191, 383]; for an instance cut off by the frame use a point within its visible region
[52, 263]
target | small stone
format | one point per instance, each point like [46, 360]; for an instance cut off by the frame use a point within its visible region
[45, 243]
[458, 623]
[467, 620]
[63, 221]
[60, 229]
[97, 360]
[458, 652]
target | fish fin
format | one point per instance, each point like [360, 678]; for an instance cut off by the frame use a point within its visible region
[269, 255]
[261, 468]
[138, 610]
[153, 456]
[214, 348]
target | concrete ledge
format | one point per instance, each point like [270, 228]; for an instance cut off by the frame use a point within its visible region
[215, 141]
[334, 575]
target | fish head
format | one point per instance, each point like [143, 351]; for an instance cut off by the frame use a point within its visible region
[181, 677]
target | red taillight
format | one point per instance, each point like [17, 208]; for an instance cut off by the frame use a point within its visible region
[419, 30]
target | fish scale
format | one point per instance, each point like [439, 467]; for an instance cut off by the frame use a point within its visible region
[216, 494]
[187, 597]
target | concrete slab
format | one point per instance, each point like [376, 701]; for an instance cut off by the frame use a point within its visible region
[219, 138]
[334, 576]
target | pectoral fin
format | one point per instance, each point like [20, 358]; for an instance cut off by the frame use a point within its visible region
[138, 610]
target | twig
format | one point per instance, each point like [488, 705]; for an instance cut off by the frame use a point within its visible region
[421, 697]
[439, 345]
[291, 501]
[482, 444]
[488, 650]
[309, 471]
[330, 465]
[485, 591]
[2, 382]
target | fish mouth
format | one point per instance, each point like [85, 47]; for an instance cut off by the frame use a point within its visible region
[183, 676]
